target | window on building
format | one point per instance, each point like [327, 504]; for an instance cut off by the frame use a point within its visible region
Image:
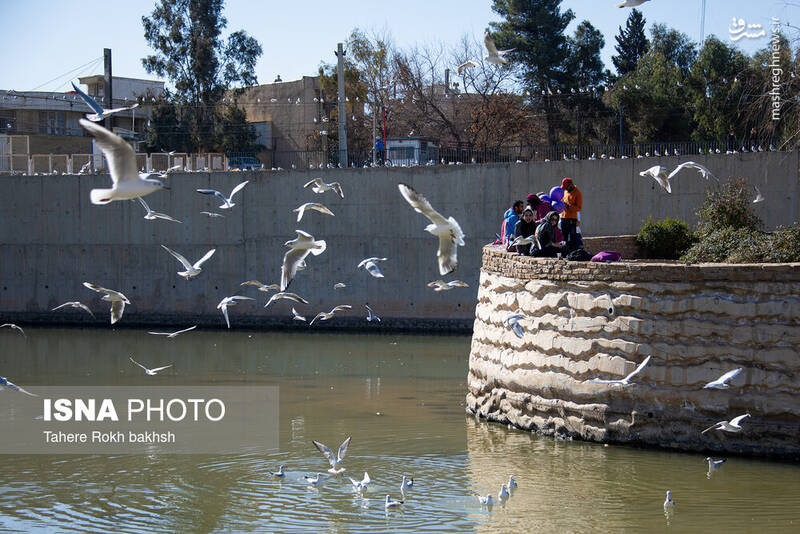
[52, 122]
[8, 121]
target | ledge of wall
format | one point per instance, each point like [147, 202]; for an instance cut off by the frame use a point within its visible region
[697, 322]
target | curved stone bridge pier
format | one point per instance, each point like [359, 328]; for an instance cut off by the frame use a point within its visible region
[696, 321]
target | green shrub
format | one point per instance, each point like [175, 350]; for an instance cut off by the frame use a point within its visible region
[744, 245]
[665, 240]
[728, 206]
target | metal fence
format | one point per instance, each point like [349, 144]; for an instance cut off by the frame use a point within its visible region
[33, 164]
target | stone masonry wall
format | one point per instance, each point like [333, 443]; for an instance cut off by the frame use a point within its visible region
[696, 321]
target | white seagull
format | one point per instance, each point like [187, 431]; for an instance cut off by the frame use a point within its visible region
[171, 335]
[407, 483]
[704, 172]
[319, 186]
[734, 425]
[511, 482]
[334, 460]
[447, 230]
[390, 503]
[279, 473]
[14, 327]
[4, 382]
[316, 481]
[486, 501]
[211, 214]
[513, 323]
[361, 485]
[371, 314]
[625, 381]
[297, 317]
[75, 304]
[151, 372]
[495, 55]
[100, 112]
[659, 174]
[759, 196]
[441, 285]
[714, 464]
[520, 240]
[117, 300]
[720, 383]
[229, 301]
[338, 285]
[503, 494]
[261, 287]
[126, 182]
[324, 316]
[371, 267]
[153, 215]
[467, 65]
[299, 249]
[191, 270]
[669, 502]
[631, 3]
[312, 206]
[286, 295]
[227, 202]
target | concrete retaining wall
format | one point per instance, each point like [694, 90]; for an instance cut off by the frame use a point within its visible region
[52, 239]
[697, 322]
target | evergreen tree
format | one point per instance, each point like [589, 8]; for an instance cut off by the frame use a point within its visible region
[586, 71]
[676, 47]
[186, 36]
[535, 30]
[632, 43]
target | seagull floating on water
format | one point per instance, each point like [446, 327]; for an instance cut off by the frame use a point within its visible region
[360, 485]
[720, 383]
[447, 230]
[407, 483]
[335, 460]
[669, 502]
[486, 501]
[279, 473]
[14, 327]
[229, 301]
[316, 481]
[151, 372]
[227, 202]
[319, 186]
[390, 503]
[625, 381]
[324, 316]
[192, 270]
[153, 215]
[503, 494]
[4, 382]
[371, 267]
[312, 206]
[511, 482]
[75, 304]
[734, 425]
[299, 249]
[100, 112]
[171, 335]
[117, 300]
[126, 182]
[714, 464]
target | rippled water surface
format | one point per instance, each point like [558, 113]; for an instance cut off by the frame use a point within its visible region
[332, 386]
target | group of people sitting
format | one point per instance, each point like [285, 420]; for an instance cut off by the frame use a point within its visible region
[545, 233]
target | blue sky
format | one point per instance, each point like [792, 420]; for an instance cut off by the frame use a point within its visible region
[47, 41]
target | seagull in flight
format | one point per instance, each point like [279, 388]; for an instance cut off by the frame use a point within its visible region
[467, 65]
[100, 112]
[360, 485]
[299, 249]
[117, 300]
[286, 295]
[371, 314]
[153, 215]
[447, 230]
[151, 372]
[171, 335]
[441, 285]
[229, 301]
[734, 425]
[211, 214]
[704, 172]
[720, 383]
[312, 206]
[759, 196]
[625, 381]
[659, 174]
[227, 202]
[261, 287]
[4, 382]
[371, 267]
[319, 186]
[126, 182]
[391, 503]
[495, 56]
[191, 270]
[297, 317]
[338, 285]
[631, 3]
[513, 323]
[334, 460]
[14, 327]
[75, 304]
[324, 316]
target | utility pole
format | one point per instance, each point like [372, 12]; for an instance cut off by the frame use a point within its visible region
[703, 24]
[342, 108]
[620, 129]
[107, 96]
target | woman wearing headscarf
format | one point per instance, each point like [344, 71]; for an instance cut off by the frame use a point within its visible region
[546, 237]
[525, 227]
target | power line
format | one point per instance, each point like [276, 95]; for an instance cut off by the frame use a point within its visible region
[95, 60]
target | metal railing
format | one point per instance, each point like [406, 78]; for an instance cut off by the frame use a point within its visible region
[33, 164]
